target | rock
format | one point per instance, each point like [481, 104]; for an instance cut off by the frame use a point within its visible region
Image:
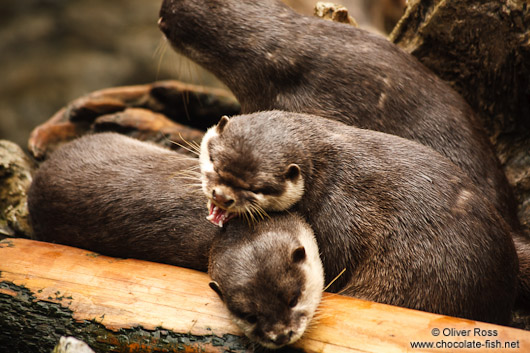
[15, 179]
[71, 345]
[334, 12]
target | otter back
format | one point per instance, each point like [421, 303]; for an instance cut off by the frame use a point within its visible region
[409, 227]
[122, 197]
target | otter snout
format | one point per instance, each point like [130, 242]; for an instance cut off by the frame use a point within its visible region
[222, 199]
[166, 13]
[279, 340]
[162, 24]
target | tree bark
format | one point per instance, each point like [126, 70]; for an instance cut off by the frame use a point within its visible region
[482, 48]
[116, 305]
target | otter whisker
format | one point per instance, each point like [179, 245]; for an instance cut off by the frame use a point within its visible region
[262, 211]
[249, 212]
[252, 216]
[188, 176]
[192, 144]
[312, 325]
[255, 208]
[184, 147]
[316, 320]
[334, 279]
[252, 211]
[256, 212]
[242, 214]
[196, 145]
[189, 172]
[193, 188]
[191, 148]
[198, 186]
[245, 214]
[160, 51]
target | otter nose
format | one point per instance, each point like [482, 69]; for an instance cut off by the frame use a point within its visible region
[282, 339]
[163, 25]
[221, 199]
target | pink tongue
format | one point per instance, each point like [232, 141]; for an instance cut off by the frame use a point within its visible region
[218, 216]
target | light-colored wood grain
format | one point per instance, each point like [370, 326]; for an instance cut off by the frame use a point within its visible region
[129, 293]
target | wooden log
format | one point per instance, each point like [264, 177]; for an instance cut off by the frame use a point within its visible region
[124, 305]
[147, 111]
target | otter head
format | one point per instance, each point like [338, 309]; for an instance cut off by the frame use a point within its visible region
[271, 281]
[220, 35]
[246, 173]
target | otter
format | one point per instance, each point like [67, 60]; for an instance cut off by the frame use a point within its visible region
[410, 228]
[271, 57]
[279, 278]
[121, 197]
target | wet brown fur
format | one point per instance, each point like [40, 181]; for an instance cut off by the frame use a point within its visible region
[275, 283]
[274, 58]
[410, 228]
[121, 197]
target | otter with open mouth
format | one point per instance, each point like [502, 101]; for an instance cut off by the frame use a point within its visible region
[410, 228]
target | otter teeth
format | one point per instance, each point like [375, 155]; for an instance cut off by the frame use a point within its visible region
[218, 216]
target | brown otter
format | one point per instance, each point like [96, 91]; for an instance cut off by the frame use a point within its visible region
[122, 197]
[273, 58]
[116, 196]
[279, 278]
[409, 226]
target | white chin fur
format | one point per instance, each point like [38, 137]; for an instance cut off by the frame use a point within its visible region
[301, 330]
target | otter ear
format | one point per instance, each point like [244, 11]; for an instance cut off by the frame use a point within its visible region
[292, 172]
[222, 123]
[298, 254]
[215, 286]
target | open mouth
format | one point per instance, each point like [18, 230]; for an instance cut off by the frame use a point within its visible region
[217, 215]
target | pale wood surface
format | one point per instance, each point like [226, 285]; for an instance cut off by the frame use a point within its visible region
[121, 293]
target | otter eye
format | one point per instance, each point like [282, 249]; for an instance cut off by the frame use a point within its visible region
[266, 190]
[252, 319]
[249, 317]
[294, 300]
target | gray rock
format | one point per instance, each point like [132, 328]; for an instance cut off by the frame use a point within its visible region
[15, 179]
[71, 345]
